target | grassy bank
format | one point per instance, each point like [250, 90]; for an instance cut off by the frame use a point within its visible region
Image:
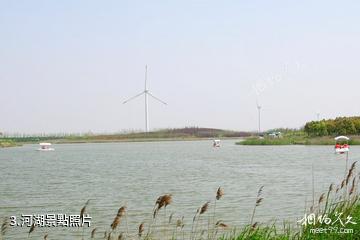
[7, 143]
[296, 140]
[177, 134]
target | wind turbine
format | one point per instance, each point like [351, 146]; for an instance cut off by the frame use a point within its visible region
[146, 92]
[259, 115]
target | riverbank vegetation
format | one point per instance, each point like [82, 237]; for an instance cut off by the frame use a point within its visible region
[332, 127]
[188, 133]
[313, 133]
[296, 140]
[7, 143]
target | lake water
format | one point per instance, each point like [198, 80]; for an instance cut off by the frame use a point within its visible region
[135, 174]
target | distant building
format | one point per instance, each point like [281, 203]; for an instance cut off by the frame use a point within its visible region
[275, 135]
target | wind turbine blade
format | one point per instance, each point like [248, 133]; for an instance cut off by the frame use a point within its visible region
[145, 77]
[157, 98]
[133, 97]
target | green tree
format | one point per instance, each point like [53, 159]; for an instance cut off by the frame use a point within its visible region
[331, 127]
[344, 126]
[356, 122]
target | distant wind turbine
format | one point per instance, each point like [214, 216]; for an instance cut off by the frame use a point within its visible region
[259, 115]
[146, 92]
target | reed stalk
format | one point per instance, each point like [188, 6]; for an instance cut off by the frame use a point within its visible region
[257, 203]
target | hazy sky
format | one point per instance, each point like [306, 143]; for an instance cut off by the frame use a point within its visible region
[67, 66]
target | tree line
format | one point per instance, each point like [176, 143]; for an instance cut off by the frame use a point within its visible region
[332, 127]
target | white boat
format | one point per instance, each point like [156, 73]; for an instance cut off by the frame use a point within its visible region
[45, 147]
[216, 143]
[341, 144]
[342, 150]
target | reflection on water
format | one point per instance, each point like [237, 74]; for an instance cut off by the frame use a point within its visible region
[135, 174]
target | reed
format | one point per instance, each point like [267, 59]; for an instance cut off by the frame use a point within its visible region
[117, 219]
[258, 201]
[4, 227]
[202, 210]
[32, 228]
[82, 213]
[219, 194]
[331, 187]
[141, 229]
[93, 233]
[161, 202]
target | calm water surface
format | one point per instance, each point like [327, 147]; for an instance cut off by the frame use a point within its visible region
[135, 174]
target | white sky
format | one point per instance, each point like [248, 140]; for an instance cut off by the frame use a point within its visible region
[67, 66]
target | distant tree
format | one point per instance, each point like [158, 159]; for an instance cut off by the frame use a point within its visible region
[322, 130]
[344, 126]
[330, 127]
[338, 126]
[309, 128]
[356, 121]
[316, 128]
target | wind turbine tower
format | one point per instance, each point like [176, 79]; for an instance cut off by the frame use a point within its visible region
[146, 93]
[259, 116]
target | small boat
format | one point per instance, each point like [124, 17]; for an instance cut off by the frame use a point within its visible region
[216, 143]
[45, 147]
[341, 144]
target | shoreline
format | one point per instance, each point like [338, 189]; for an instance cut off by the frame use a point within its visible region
[83, 141]
[296, 140]
[247, 141]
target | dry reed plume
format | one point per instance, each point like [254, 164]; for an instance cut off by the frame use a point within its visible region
[321, 199]
[204, 208]
[254, 226]
[93, 232]
[219, 193]
[83, 209]
[141, 229]
[4, 226]
[352, 189]
[117, 219]
[170, 217]
[162, 201]
[200, 211]
[221, 224]
[32, 228]
[258, 201]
